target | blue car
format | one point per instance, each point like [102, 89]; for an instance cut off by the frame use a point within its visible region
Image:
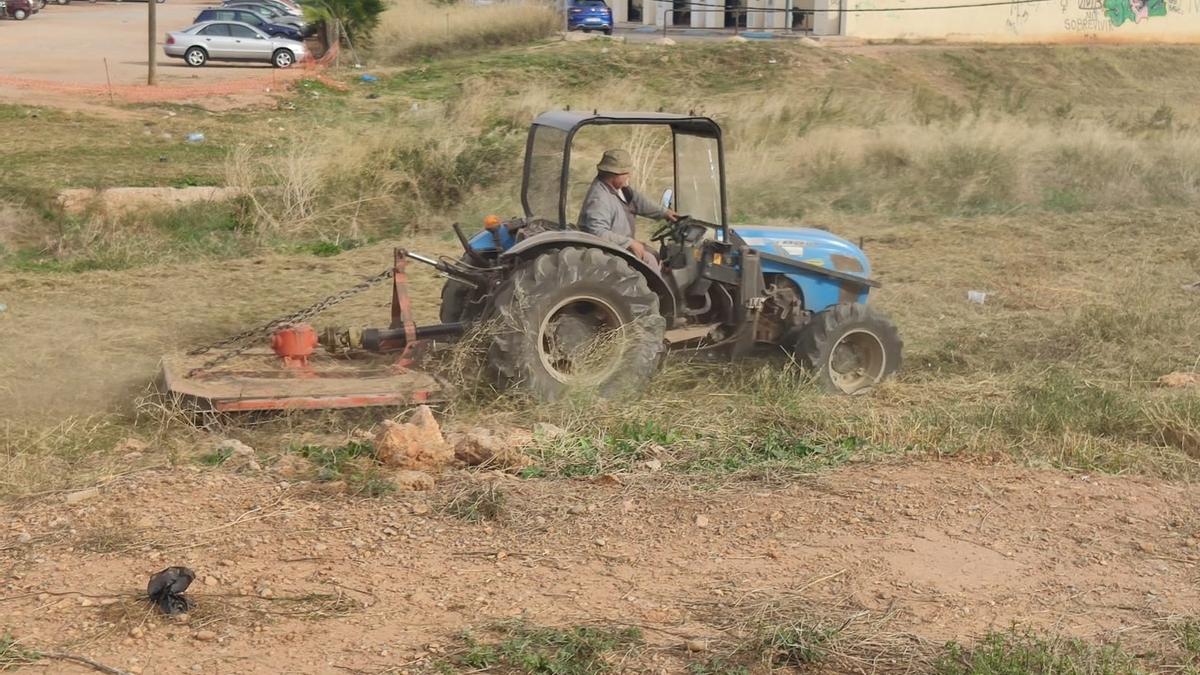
[252, 18]
[590, 15]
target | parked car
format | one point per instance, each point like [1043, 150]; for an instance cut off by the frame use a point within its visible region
[273, 4]
[17, 9]
[590, 15]
[275, 16]
[249, 18]
[231, 41]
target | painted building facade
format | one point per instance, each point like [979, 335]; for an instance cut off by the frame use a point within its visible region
[1021, 21]
[1050, 21]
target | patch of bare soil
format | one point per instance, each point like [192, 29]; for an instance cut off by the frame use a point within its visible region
[131, 199]
[290, 580]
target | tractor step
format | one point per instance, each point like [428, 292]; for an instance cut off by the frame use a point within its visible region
[254, 380]
[688, 333]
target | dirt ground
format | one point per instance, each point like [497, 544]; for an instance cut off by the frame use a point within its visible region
[59, 56]
[291, 581]
[930, 550]
[293, 577]
[70, 43]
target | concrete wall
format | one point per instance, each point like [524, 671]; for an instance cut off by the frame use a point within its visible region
[773, 14]
[1050, 21]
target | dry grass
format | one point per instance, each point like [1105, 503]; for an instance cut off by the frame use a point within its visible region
[413, 28]
[1058, 367]
[476, 503]
[16, 221]
[826, 152]
[347, 182]
[1072, 210]
[967, 168]
[36, 460]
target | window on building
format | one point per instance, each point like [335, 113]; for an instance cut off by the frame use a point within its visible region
[734, 14]
[681, 13]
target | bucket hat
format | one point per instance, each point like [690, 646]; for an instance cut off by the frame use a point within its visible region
[615, 161]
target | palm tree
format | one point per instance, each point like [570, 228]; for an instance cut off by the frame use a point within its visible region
[358, 18]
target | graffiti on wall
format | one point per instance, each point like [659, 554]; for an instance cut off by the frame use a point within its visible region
[1120, 12]
[1092, 17]
[1018, 15]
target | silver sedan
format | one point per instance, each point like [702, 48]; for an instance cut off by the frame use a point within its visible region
[231, 41]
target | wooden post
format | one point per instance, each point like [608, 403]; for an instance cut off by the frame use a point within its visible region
[153, 21]
[108, 78]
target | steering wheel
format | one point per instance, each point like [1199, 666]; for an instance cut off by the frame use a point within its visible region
[669, 230]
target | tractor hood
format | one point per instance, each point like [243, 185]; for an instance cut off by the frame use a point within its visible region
[812, 246]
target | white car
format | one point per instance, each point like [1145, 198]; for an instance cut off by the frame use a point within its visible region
[231, 41]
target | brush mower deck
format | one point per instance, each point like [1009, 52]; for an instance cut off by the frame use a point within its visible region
[256, 380]
[286, 365]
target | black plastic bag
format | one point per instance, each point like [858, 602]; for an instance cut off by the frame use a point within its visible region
[166, 590]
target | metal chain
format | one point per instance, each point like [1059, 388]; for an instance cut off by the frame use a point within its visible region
[269, 327]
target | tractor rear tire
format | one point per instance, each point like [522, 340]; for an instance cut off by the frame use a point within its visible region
[850, 348]
[575, 320]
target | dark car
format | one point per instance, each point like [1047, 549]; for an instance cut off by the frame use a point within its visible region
[274, 15]
[274, 4]
[590, 15]
[252, 18]
[17, 9]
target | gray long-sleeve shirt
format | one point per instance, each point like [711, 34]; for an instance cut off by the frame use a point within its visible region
[613, 219]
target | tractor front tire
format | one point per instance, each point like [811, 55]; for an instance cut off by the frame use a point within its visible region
[460, 302]
[850, 348]
[575, 320]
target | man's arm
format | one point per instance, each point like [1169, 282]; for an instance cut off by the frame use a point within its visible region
[646, 208]
[597, 218]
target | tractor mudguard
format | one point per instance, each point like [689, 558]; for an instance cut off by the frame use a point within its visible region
[545, 241]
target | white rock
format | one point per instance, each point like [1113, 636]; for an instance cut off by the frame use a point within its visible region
[547, 430]
[235, 447]
[82, 495]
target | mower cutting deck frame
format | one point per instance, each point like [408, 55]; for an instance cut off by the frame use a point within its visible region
[256, 380]
[292, 374]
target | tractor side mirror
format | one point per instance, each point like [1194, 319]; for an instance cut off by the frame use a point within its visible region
[667, 196]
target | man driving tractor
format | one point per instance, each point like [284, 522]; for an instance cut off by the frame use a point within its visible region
[611, 207]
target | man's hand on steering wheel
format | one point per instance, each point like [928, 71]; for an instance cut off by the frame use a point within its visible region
[669, 229]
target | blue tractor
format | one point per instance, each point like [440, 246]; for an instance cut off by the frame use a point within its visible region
[560, 308]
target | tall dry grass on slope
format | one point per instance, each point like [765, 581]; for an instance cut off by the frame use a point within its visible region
[415, 28]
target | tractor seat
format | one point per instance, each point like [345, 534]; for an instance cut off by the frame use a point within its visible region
[537, 226]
